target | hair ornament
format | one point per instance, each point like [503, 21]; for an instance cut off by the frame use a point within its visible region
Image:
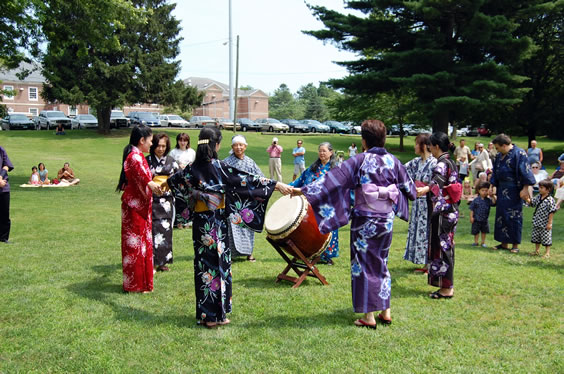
[203, 141]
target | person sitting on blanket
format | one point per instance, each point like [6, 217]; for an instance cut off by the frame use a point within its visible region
[66, 175]
[34, 178]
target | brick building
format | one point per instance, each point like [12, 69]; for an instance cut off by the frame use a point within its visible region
[251, 104]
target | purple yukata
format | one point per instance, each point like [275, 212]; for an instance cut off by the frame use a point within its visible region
[381, 186]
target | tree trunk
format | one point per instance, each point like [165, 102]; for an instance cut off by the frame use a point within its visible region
[441, 122]
[531, 133]
[401, 136]
[104, 119]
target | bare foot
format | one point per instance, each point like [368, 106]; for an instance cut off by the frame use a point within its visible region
[546, 255]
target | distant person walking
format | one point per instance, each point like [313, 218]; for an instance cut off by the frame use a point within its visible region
[5, 223]
[534, 154]
[275, 162]
[299, 159]
[353, 150]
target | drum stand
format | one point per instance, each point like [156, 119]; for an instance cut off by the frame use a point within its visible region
[300, 264]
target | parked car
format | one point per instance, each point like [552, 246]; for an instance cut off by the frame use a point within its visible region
[50, 119]
[225, 123]
[473, 133]
[315, 126]
[82, 121]
[295, 125]
[407, 128]
[484, 131]
[118, 119]
[246, 124]
[272, 124]
[336, 126]
[15, 121]
[170, 120]
[201, 121]
[144, 118]
[462, 132]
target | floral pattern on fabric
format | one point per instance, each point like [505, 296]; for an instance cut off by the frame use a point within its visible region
[371, 232]
[162, 211]
[245, 206]
[136, 223]
[314, 180]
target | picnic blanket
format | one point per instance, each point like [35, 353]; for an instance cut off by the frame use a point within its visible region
[62, 184]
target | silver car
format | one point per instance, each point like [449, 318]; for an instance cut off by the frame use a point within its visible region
[173, 120]
[272, 125]
[83, 121]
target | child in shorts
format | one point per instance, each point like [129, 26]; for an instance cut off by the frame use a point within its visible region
[480, 212]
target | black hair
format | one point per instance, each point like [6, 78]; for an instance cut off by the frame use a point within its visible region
[33, 167]
[205, 151]
[547, 183]
[332, 160]
[137, 133]
[156, 139]
[502, 139]
[481, 185]
[41, 163]
[441, 139]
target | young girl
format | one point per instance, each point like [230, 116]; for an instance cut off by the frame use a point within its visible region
[136, 182]
[43, 174]
[542, 218]
[34, 178]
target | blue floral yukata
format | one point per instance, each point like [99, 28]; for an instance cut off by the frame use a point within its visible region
[444, 218]
[241, 239]
[306, 178]
[382, 187]
[417, 243]
[245, 199]
[510, 173]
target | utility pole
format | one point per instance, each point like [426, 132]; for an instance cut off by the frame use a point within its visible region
[231, 101]
[236, 85]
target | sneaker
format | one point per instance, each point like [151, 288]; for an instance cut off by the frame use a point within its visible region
[484, 245]
[474, 244]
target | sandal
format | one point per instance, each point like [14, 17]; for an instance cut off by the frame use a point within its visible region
[362, 323]
[514, 250]
[438, 295]
[546, 255]
[383, 320]
[499, 246]
[251, 258]
[534, 254]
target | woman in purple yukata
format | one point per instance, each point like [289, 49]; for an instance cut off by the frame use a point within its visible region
[381, 186]
[445, 197]
[217, 194]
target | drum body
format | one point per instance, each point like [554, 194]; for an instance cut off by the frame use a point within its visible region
[293, 218]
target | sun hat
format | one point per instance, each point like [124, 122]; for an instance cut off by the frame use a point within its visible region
[238, 139]
[561, 158]
[275, 139]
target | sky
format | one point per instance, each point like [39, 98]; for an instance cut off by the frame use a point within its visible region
[272, 48]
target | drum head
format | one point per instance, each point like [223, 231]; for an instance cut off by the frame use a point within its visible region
[284, 213]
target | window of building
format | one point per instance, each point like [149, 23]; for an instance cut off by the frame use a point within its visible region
[72, 111]
[8, 96]
[33, 111]
[33, 93]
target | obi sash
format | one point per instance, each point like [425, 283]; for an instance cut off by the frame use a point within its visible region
[208, 201]
[376, 199]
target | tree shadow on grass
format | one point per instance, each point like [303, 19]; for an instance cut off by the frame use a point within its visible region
[100, 289]
[328, 319]
[270, 282]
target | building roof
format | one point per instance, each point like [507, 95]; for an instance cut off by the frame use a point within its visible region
[204, 83]
[12, 75]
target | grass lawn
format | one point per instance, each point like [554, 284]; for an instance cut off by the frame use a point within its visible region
[63, 309]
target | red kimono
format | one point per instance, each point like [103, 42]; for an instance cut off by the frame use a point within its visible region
[136, 230]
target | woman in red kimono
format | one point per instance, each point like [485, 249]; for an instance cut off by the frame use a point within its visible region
[136, 206]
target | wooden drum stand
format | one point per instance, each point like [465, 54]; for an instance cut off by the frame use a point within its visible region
[303, 266]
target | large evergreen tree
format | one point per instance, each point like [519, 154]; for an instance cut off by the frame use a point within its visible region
[110, 52]
[19, 32]
[455, 56]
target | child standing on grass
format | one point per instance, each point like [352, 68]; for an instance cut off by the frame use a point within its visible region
[480, 212]
[462, 168]
[34, 178]
[542, 218]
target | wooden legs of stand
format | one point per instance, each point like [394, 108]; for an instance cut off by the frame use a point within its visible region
[299, 263]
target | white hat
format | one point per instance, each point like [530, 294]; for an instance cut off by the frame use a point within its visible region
[275, 139]
[238, 139]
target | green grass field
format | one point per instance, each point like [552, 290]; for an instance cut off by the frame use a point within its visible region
[63, 310]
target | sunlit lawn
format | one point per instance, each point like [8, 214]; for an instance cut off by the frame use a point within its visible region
[63, 310]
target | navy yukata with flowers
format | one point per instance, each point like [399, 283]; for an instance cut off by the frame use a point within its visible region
[511, 172]
[444, 218]
[246, 197]
[382, 187]
[307, 177]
